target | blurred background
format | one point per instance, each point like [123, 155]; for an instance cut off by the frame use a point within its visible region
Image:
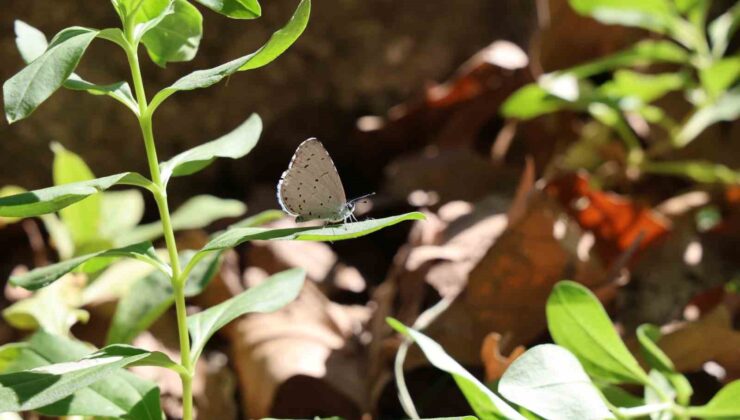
[409, 99]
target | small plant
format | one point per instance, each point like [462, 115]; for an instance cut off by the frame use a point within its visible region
[578, 377]
[57, 375]
[706, 74]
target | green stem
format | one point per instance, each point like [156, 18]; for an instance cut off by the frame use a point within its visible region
[160, 196]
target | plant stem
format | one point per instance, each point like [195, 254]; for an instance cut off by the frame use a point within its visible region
[160, 196]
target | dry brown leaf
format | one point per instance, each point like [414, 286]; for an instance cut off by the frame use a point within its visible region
[493, 361]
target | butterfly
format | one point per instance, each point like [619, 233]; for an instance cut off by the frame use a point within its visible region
[311, 189]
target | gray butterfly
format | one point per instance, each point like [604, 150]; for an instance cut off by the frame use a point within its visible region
[311, 188]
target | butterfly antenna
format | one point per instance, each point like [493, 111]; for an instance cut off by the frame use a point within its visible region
[362, 197]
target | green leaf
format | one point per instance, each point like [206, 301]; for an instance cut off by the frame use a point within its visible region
[578, 322]
[722, 29]
[235, 9]
[648, 336]
[531, 101]
[81, 219]
[25, 91]
[6, 191]
[233, 145]
[196, 213]
[274, 293]
[482, 400]
[619, 397]
[122, 211]
[654, 15]
[177, 37]
[53, 199]
[41, 386]
[658, 393]
[54, 309]
[726, 108]
[122, 394]
[140, 16]
[724, 405]
[276, 45]
[628, 87]
[236, 236]
[697, 171]
[32, 43]
[152, 295]
[640, 54]
[720, 75]
[548, 380]
[43, 276]
[259, 219]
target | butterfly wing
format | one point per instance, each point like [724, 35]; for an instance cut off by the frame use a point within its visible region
[311, 188]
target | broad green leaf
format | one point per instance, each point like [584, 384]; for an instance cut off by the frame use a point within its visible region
[43, 276]
[152, 295]
[722, 29]
[54, 309]
[531, 101]
[655, 15]
[720, 75]
[25, 91]
[276, 45]
[81, 219]
[115, 281]
[634, 89]
[726, 108]
[640, 54]
[724, 405]
[41, 386]
[482, 400]
[177, 37]
[549, 381]
[6, 191]
[235, 236]
[53, 199]
[196, 213]
[275, 292]
[578, 322]
[121, 212]
[233, 145]
[235, 9]
[122, 394]
[140, 16]
[648, 336]
[32, 43]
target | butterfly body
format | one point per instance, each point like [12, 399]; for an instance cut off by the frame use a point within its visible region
[311, 189]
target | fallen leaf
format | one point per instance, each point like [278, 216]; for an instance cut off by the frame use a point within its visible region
[494, 362]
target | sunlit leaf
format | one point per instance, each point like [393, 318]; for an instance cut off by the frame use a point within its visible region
[720, 75]
[548, 380]
[235, 9]
[578, 322]
[482, 400]
[724, 405]
[726, 108]
[177, 37]
[275, 292]
[655, 15]
[723, 28]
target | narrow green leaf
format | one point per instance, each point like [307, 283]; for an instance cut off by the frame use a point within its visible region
[53, 199]
[41, 386]
[720, 75]
[274, 293]
[54, 309]
[121, 394]
[641, 88]
[724, 405]
[177, 37]
[549, 381]
[233, 145]
[640, 54]
[259, 219]
[654, 15]
[726, 108]
[578, 322]
[276, 45]
[43, 276]
[697, 171]
[81, 219]
[196, 213]
[25, 91]
[482, 400]
[152, 295]
[531, 101]
[236, 236]
[235, 9]
[648, 336]
[723, 28]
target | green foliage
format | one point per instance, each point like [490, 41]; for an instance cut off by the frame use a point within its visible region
[274, 293]
[236, 9]
[177, 37]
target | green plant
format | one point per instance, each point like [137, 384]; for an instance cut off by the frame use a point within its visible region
[58, 375]
[579, 375]
[706, 73]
